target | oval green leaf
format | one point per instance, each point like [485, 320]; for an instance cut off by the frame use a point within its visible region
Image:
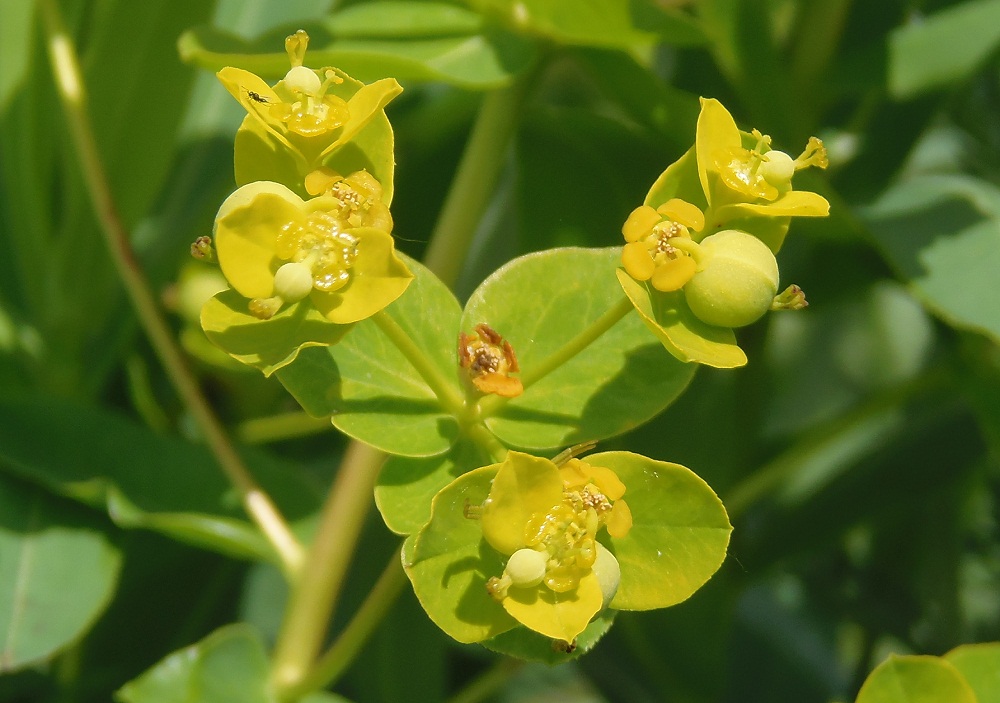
[155, 482]
[482, 60]
[915, 679]
[980, 665]
[942, 234]
[407, 485]
[58, 571]
[540, 303]
[372, 389]
[228, 665]
[679, 536]
[619, 24]
[449, 562]
[668, 316]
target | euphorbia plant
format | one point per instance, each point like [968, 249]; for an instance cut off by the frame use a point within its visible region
[529, 553]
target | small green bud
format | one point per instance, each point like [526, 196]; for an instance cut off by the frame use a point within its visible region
[526, 568]
[737, 280]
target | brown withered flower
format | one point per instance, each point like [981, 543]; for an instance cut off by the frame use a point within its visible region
[489, 360]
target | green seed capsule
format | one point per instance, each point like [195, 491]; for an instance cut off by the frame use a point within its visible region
[737, 280]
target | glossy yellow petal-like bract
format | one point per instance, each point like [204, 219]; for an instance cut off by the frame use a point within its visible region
[561, 616]
[523, 486]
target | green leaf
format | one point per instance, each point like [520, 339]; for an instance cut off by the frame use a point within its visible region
[943, 49]
[143, 480]
[668, 316]
[266, 344]
[394, 19]
[915, 679]
[607, 23]
[523, 643]
[478, 60]
[15, 47]
[58, 571]
[228, 666]
[941, 233]
[406, 485]
[370, 387]
[980, 665]
[449, 562]
[679, 536]
[539, 303]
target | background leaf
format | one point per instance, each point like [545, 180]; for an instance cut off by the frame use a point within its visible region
[58, 571]
[227, 666]
[942, 234]
[970, 30]
[476, 59]
[156, 483]
[539, 302]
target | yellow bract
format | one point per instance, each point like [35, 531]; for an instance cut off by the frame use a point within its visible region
[276, 249]
[558, 512]
[732, 174]
[660, 246]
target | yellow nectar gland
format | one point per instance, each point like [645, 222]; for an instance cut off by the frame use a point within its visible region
[319, 255]
[565, 537]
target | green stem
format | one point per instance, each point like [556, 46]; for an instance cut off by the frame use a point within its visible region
[275, 428]
[777, 472]
[445, 391]
[475, 180]
[315, 593]
[489, 406]
[338, 658]
[72, 94]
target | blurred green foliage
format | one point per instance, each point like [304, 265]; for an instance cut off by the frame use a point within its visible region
[856, 453]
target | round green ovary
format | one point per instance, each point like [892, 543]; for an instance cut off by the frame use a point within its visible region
[738, 280]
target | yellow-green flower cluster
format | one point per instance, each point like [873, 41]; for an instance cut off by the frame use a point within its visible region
[306, 234]
[546, 520]
[729, 275]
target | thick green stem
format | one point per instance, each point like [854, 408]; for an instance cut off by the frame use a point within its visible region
[72, 94]
[338, 658]
[488, 406]
[474, 181]
[314, 594]
[446, 392]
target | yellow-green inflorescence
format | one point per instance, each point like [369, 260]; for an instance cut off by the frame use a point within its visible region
[547, 519]
[333, 250]
[729, 276]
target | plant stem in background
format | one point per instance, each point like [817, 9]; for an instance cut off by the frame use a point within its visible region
[315, 593]
[338, 658]
[475, 180]
[72, 94]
